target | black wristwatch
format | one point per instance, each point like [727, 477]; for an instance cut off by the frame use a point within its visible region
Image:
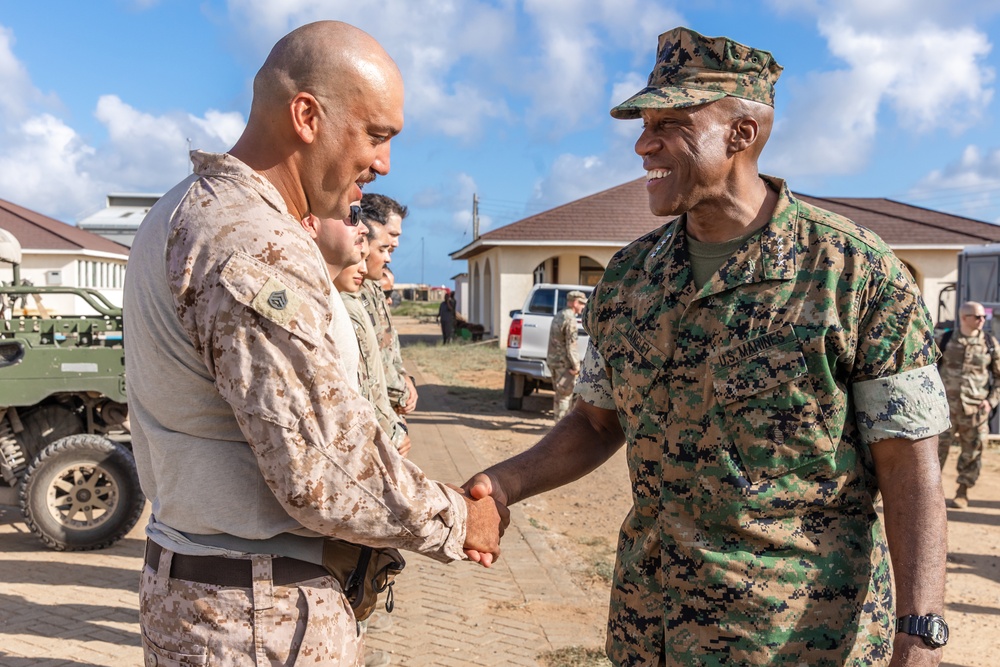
[931, 628]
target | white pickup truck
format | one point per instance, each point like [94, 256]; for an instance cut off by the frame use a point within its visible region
[528, 341]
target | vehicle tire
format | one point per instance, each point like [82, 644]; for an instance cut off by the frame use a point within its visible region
[512, 399]
[80, 493]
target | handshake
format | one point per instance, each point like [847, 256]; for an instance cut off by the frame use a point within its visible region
[488, 517]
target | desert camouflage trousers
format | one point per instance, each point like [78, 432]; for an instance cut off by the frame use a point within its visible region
[970, 432]
[189, 623]
[563, 383]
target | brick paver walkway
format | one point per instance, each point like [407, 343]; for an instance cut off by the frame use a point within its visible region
[62, 609]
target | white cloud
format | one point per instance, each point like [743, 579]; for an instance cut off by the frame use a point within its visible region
[45, 167]
[930, 74]
[16, 90]
[969, 186]
[574, 176]
[445, 51]
[148, 152]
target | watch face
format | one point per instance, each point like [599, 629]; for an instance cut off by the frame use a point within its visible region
[937, 631]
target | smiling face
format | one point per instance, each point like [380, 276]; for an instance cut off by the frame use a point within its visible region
[352, 142]
[686, 156]
[351, 278]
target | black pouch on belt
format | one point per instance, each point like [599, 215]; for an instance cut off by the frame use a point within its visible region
[363, 573]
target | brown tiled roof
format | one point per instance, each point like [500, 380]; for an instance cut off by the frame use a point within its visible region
[35, 231]
[621, 214]
[902, 224]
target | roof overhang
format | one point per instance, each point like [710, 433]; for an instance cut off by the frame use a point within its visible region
[480, 245]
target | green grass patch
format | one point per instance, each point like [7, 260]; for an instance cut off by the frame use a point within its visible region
[575, 656]
[416, 309]
[460, 365]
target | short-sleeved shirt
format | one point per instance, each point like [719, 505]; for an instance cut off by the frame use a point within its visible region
[244, 420]
[562, 350]
[748, 407]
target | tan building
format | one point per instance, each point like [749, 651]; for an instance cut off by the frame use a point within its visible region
[573, 243]
[54, 253]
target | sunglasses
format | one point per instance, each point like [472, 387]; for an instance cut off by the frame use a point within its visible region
[355, 218]
[978, 317]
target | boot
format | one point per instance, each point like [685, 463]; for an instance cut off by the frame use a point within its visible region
[961, 500]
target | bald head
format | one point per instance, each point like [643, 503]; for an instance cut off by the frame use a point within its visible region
[320, 58]
[326, 104]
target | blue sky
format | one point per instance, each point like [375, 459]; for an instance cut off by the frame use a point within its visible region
[507, 99]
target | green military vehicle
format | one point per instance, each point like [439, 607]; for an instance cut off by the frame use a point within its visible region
[65, 450]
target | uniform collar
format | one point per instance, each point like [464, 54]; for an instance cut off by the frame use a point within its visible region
[767, 255]
[224, 165]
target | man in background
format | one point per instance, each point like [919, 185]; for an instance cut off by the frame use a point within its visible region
[385, 217]
[563, 355]
[970, 369]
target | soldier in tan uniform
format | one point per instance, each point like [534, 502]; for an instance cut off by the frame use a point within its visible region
[563, 356]
[970, 369]
[385, 215]
[371, 372]
[251, 439]
[769, 367]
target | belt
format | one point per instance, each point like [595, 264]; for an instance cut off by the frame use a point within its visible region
[233, 572]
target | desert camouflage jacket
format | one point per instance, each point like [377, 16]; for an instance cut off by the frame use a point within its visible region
[966, 366]
[563, 352]
[262, 434]
[748, 408]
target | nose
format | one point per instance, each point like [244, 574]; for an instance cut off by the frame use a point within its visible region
[362, 229]
[646, 144]
[381, 164]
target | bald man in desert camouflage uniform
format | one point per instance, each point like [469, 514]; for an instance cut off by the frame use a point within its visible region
[251, 439]
[770, 368]
[970, 369]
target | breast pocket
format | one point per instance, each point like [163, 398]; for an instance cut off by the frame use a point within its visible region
[635, 364]
[772, 413]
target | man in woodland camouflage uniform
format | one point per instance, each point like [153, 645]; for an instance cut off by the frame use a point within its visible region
[770, 367]
[970, 369]
[563, 356]
[385, 215]
[250, 438]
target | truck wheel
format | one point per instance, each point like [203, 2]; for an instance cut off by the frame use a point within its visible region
[513, 391]
[81, 492]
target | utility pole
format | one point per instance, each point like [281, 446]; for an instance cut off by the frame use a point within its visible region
[421, 261]
[475, 216]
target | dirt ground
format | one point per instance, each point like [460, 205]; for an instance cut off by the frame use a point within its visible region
[582, 519]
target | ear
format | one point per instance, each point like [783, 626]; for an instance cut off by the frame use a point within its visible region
[745, 131]
[305, 114]
[311, 224]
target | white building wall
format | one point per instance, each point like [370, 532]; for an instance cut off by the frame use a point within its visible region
[104, 273]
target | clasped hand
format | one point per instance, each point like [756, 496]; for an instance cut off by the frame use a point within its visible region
[488, 517]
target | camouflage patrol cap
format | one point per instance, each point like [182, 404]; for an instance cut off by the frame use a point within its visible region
[692, 69]
[576, 295]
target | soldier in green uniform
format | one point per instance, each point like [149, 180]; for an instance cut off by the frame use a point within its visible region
[769, 367]
[384, 217]
[970, 369]
[563, 356]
